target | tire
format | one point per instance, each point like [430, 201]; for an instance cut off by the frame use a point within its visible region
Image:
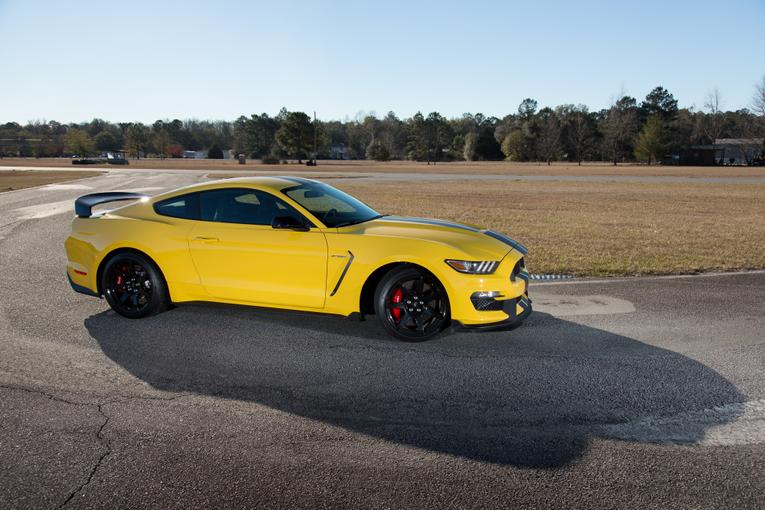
[421, 319]
[134, 286]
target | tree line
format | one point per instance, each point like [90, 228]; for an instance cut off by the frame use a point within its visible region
[628, 130]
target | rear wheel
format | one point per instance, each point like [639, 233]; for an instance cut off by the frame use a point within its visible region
[411, 304]
[133, 286]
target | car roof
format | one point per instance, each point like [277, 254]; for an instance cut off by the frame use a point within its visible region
[270, 183]
[276, 183]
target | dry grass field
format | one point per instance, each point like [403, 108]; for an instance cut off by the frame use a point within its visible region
[15, 179]
[598, 229]
[491, 168]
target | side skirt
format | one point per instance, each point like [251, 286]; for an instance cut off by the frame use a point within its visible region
[81, 289]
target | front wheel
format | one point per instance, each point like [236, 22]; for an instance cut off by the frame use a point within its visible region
[411, 304]
[133, 286]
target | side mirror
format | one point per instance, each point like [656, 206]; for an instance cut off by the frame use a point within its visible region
[289, 223]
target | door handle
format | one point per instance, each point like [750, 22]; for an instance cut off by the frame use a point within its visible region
[208, 240]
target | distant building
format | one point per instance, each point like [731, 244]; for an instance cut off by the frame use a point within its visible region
[22, 146]
[700, 155]
[195, 154]
[338, 151]
[116, 157]
[740, 151]
[227, 154]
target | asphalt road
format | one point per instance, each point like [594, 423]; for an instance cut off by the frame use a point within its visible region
[620, 393]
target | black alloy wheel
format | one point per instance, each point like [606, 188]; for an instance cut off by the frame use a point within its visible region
[412, 304]
[133, 286]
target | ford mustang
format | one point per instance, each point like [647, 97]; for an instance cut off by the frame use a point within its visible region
[298, 244]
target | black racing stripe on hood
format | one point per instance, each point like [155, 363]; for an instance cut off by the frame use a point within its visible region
[425, 221]
[440, 223]
[507, 240]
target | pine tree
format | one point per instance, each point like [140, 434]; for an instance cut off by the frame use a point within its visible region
[650, 143]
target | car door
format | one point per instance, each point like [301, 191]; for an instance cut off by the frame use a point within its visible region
[241, 257]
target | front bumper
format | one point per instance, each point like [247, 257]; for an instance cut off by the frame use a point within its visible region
[472, 301]
[514, 316]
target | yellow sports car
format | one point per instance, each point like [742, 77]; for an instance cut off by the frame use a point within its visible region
[300, 244]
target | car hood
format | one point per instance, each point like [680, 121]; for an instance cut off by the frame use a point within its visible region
[475, 242]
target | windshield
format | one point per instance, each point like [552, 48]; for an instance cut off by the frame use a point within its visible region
[330, 205]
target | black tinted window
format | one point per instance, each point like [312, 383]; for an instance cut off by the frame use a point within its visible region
[184, 206]
[240, 205]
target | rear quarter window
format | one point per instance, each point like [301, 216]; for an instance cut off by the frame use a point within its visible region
[184, 206]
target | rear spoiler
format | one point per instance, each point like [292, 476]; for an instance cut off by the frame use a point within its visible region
[83, 206]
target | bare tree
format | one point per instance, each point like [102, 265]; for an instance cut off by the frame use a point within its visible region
[548, 143]
[580, 132]
[714, 120]
[748, 127]
[758, 101]
[620, 127]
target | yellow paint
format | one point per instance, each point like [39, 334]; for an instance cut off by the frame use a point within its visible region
[261, 266]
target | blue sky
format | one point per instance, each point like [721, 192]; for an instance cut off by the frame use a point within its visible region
[144, 60]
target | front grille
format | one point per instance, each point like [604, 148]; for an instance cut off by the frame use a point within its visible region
[486, 304]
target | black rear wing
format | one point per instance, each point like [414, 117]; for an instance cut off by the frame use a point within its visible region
[83, 206]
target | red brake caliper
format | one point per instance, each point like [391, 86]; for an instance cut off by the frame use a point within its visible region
[120, 277]
[397, 297]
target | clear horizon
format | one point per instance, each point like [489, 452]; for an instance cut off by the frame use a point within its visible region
[219, 61]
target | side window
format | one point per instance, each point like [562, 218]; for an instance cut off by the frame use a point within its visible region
[241, 205]
[184, 206]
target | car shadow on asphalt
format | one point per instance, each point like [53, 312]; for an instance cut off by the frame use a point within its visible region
[532, 397]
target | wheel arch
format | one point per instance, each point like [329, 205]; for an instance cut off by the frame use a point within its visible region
[367, 295]
[118, 251]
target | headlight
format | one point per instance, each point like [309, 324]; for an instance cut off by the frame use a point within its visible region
[519, 266]
[473, 267]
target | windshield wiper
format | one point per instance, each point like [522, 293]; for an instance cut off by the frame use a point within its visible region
[349, 223]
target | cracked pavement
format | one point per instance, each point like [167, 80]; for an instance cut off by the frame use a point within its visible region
[632, 393]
